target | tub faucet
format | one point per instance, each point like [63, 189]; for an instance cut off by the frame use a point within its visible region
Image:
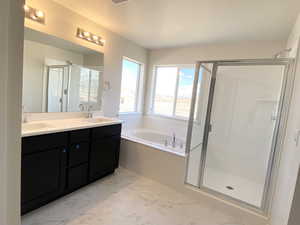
[166, 142]
[174, 140]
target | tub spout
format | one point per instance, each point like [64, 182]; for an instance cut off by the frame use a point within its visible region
[174, 140]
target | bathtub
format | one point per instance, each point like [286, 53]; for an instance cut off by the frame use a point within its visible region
[156, 140]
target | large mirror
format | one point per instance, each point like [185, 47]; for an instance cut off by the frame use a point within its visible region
[59, 76]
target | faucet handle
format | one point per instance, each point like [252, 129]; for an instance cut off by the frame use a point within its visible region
[166, 142]
[81, 107]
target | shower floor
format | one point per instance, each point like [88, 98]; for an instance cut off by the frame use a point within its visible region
[242, 189]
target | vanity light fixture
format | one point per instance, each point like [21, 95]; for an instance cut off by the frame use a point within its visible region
[34, 14]
[88, 36]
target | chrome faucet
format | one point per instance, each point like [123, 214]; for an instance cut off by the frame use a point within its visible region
[174, 140]
[81, 107]
[90, 114]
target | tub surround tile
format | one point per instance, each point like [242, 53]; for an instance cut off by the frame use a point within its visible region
[128, 199]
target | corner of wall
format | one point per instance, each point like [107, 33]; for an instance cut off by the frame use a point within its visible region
[289, 163]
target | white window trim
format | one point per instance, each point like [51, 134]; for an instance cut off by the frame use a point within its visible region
[139, 86]
[178, 66]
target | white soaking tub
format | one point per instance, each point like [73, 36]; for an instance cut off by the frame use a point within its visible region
[157, 140]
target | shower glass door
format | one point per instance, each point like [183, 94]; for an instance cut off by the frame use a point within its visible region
[238, 138]
[57, 88]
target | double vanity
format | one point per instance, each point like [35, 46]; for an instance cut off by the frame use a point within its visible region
[63, 79]
[60, 156]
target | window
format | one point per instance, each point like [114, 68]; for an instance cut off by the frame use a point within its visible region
[88, 86]
[173, 91]
[131, 72]
[84, 84]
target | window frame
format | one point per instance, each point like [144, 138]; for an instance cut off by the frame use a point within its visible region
[173, 116]
[138, 86]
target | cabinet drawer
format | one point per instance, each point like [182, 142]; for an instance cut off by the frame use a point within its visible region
[77, 176]
[79, 136]
[106, 131]
[78, 153]
[43, 142]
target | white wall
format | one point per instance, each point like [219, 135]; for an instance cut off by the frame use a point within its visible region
[166, 125]
[114, 49]
[11, 48]
[290, 156]
[131, 121]
[35, 56]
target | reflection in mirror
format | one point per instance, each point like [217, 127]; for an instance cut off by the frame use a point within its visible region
[59, 76]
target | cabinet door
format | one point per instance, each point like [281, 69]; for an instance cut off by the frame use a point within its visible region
[77, 177]
[41, 175]
[104, 157]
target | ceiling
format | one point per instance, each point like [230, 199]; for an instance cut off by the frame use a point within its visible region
[168, 23]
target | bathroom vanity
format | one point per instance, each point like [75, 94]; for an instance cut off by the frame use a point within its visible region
[61, 156]
[63, 80]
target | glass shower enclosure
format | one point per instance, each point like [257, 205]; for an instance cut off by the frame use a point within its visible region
[236, 128]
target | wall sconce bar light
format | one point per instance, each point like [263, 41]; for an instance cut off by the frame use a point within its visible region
[88, 36]
[34, 14]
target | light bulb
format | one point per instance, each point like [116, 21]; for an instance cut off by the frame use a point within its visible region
[86, 34]
[95, 38]
[39, 14]
[33, 17]
[26, 8]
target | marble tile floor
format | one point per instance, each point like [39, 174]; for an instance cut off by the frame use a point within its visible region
[129, 199]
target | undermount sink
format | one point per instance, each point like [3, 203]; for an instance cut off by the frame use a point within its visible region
[34, 126]
[97, 120]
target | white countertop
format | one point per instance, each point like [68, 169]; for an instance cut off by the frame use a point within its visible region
[54, 126]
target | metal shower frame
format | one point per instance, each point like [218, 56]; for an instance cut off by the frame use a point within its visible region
[278, 134]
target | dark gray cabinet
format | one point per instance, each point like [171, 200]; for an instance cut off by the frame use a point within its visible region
[56, 164]
[104, 157]
[41, 177]
[44, 161]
